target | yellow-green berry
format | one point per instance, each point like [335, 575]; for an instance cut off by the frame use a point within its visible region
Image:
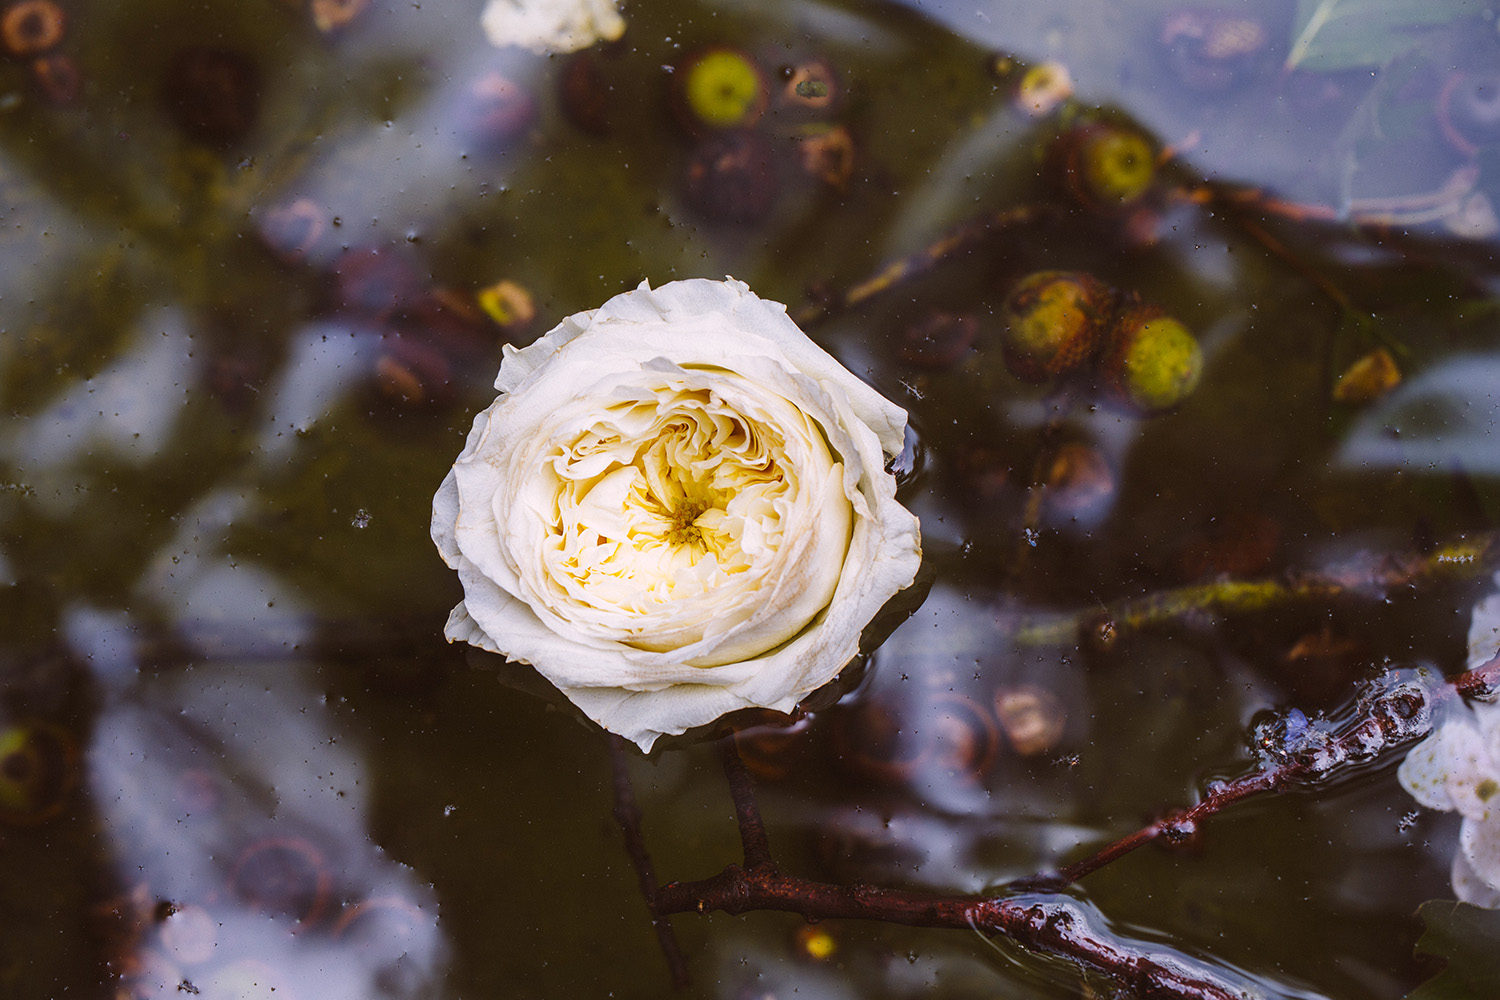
[720, 88]
[1152, 362]
[1053, 322]
[1107, 166]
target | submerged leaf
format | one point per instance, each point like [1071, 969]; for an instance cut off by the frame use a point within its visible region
[1465, 936]
[1342, 34]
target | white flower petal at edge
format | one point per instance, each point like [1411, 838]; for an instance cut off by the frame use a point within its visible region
[676, 508]
[551, 27]
[1457, 768]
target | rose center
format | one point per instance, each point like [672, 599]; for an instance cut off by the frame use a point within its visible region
[666, 504]
[685, 530]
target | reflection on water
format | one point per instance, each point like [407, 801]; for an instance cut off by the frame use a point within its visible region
[242, 341]
[126, 411]
[237, 810]
[1442, 420]
[233, 810]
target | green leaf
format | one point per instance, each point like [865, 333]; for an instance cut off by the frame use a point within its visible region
[1468, 937]
[1342, 34]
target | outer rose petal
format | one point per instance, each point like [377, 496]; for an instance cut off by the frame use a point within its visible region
[501, 477]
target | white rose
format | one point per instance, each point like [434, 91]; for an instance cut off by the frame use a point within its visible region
[677, 507]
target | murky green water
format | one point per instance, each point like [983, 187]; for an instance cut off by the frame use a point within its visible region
[241, 347]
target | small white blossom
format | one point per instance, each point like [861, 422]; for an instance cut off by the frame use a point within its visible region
[551, 26]
[1457, 769]
[676, 508]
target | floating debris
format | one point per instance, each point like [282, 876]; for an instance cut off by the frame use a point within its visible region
[1370, 377]
[1043, 89]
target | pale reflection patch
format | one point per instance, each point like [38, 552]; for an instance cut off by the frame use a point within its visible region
[127, 411]
[1439, 421]
[236, 807]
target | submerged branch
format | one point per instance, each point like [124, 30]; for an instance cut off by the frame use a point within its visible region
[1370, 576]
[628, 815]
[1481, 682]
[965, 236]
[1044, 925]
[746, 812]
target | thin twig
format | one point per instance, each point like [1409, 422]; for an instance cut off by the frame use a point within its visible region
[965, 235]
[746, 812]
[628, 815]
[1312, 274]
[1046, 453]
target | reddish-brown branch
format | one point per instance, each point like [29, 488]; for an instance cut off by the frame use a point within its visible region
[628, 815]
[1051, 926]
[1176, 827]
[1481, 682]
[746, 812]
[1396, 717]
[1239, 203]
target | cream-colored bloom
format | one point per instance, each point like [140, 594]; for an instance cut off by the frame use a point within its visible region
[551, 26]
[676, 508]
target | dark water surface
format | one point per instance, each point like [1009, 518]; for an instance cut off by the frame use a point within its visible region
[241, 345]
